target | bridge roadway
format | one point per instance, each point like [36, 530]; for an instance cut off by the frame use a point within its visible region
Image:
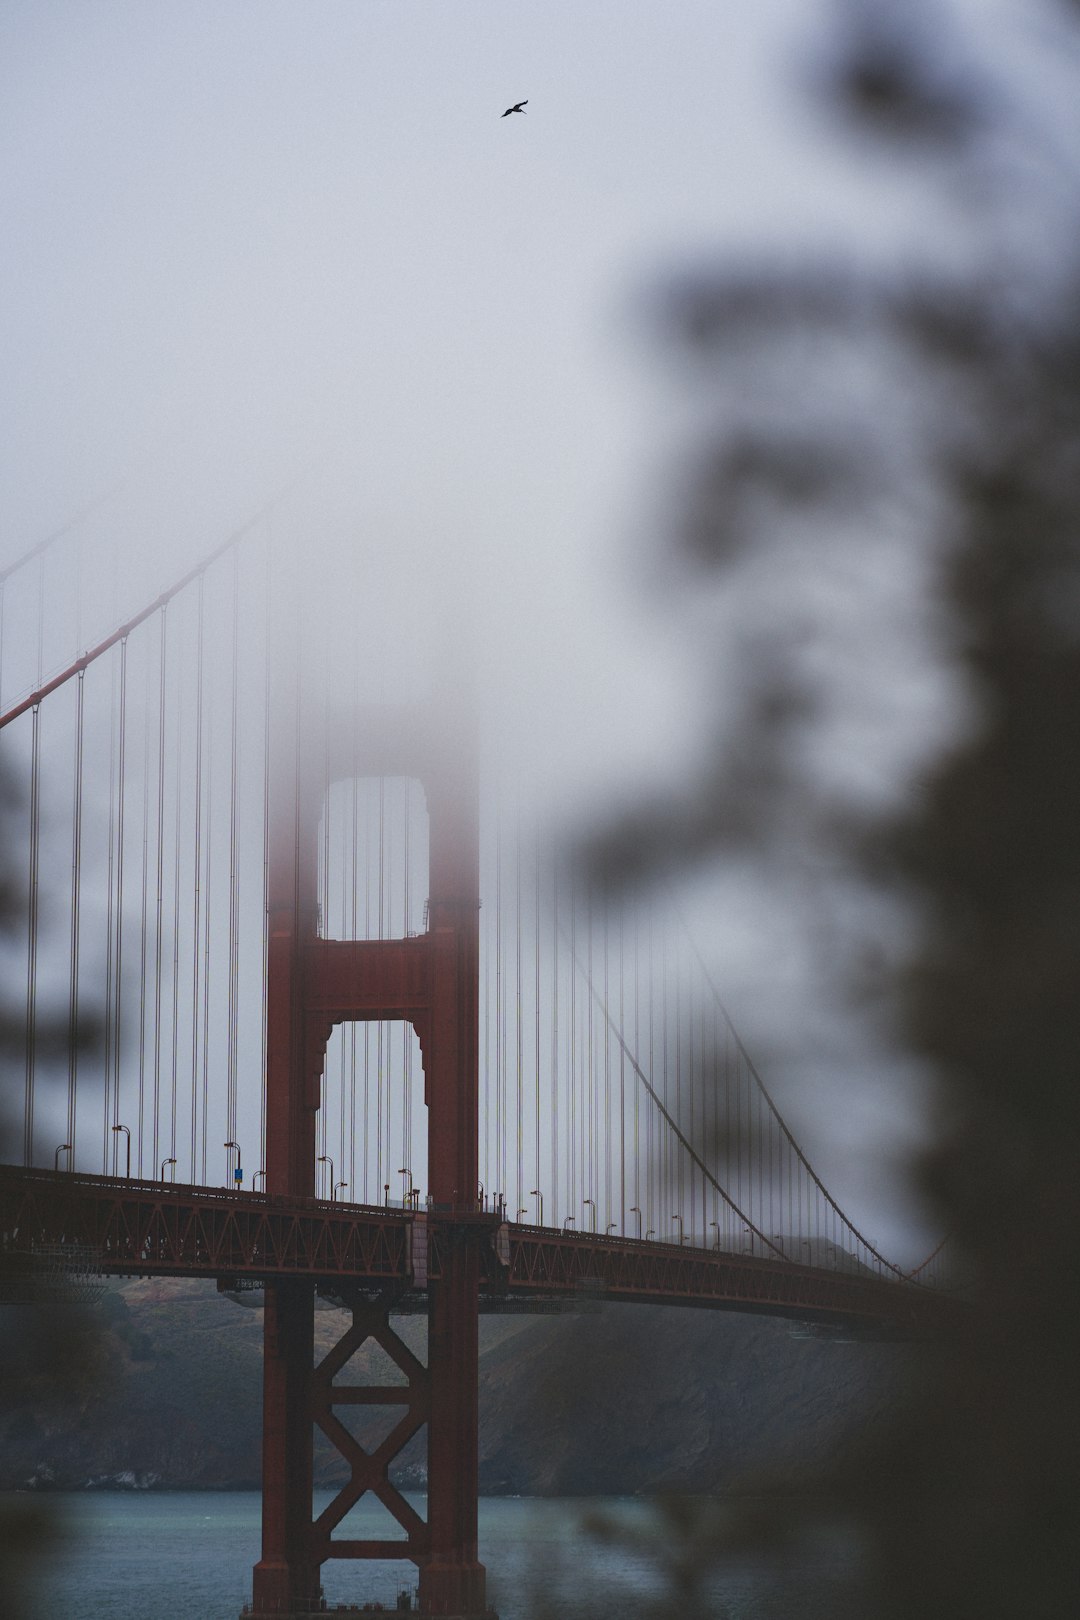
[114, 1226]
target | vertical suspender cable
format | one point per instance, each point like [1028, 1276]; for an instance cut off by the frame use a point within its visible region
[232, 1062]
[178, 795]
[121, 798]
[714, 1097]
[651, 1168]
[353, 924]
[78, 590]
[354, 919]
[608, 1128]
[144, 932]
[622, 1072]
[666, 1179]
[366, 1111]
[197, 1172]
[40, 617]
[536, 1010]
[159, 887]
[637, 1048]
[379, 1078]
[323, 1123]
[589, 1173]
[391, 1165]
[739, 1136]
[518, 1194]
[406, 1030]
[76, 906]
[32, 937]
[109, 1138]
[555, 1053]
[300, 832]
[207, 897]
[488, 978]
[348, 929]
[264, 996]
[709, 1148]
[677, 1189]
[572, 1133]
[498, 1168]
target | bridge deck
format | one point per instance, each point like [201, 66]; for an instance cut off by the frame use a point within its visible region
[118, 1227]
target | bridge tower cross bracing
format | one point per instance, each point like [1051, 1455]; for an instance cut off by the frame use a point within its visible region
[432, 981]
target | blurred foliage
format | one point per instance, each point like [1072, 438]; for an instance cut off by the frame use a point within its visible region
[968, 1503]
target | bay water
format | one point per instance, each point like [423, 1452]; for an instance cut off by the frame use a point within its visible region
[188, 1556]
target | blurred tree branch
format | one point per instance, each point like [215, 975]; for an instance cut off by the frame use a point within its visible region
[939, 412]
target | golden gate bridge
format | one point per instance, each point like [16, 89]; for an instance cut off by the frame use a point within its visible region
[308, 1001]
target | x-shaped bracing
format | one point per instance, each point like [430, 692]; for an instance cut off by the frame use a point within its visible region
[370, 1470]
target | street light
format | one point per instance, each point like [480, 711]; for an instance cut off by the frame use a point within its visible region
[635, 1211]
[65, 1147]
[682, 1234]
[236, 1176]
[324, 1158]
[161, 1172]
[521, 1212]
[716, 1245]
[340, 1184]
[534, 1192]
[255, 1178]
[406, 1192]
[611, 1227]
[590, 1202]
[569, 1221]
[127, 1135]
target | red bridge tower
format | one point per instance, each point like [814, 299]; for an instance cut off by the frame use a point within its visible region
[432, 980]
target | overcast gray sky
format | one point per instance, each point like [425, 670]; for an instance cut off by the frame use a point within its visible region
[247, 241]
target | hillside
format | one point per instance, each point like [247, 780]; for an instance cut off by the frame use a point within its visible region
[617, 1400]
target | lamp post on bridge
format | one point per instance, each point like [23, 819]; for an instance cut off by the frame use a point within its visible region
[591, 1204]
[569, 1221]
[534, 1192]
[127, 1137]
[682, 1234]
[233, 1176]
[340, 1185]
[324, 1158]
[255, 1178]
[407, 1188]
[65, 1147]
[635, 1211]
[161, 1172]
[716, 1243]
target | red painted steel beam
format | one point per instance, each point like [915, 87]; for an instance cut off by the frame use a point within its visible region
[543, 1263]
[372, 979]
[143, 1228]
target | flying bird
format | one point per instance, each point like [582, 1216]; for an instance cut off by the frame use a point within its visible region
[519, 106]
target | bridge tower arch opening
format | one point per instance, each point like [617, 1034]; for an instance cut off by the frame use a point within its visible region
[373, 884]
